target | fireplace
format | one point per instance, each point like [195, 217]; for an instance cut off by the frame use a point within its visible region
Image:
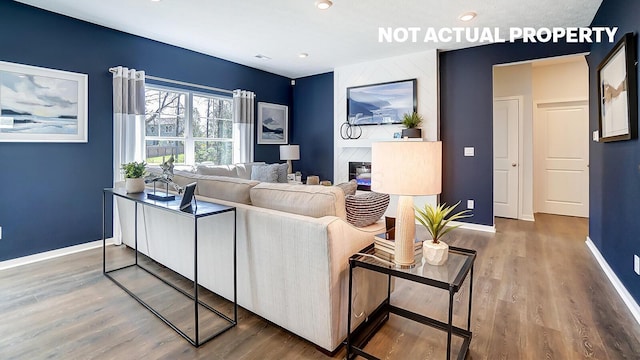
[361, 171]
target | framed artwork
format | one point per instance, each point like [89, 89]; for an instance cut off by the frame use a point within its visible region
[42, 105]
[380, 104]
[273, 123]
[617, 92]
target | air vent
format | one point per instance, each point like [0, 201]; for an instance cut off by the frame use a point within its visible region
[263, 57]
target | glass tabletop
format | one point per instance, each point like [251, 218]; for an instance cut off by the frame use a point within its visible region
[452, 273]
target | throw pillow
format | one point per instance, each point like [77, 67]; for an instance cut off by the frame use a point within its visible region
[264, 173]
[349, 188]
[283, 169]
[365, 209]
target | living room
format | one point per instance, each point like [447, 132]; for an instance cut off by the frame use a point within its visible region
[53, 191]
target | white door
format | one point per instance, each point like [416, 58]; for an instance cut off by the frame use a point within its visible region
[561, 147]
[506, 117]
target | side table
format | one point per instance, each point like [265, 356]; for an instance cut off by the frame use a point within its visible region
[448, 277]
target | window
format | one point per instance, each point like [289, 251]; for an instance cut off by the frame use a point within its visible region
[193, 127]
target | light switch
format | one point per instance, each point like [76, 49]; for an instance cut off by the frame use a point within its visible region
[469, 151]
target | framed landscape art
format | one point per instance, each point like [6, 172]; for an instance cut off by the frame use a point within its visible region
[380, 104]
[617, 92]
[273, 123]
[42, 105]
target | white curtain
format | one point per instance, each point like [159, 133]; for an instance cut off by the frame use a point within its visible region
[243, 125]
[128, 125]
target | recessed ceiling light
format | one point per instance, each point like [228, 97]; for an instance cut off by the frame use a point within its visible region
[303, 55]
[468, 16]
[155, 0]
[323, 4]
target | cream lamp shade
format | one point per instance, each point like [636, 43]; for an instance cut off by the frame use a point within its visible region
[406, 168]
[289, 152]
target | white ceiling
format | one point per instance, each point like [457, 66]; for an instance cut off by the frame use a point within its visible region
[347, 33]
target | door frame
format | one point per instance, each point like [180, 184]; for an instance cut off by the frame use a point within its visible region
[520, 99]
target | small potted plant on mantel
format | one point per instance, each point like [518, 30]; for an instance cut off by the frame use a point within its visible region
[133, 176]
[411, 123]
[435, 251]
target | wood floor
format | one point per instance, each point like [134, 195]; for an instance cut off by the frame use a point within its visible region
[538, 294]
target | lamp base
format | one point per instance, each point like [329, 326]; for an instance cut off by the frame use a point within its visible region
[405, 232]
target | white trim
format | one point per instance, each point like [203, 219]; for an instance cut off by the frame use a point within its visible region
[7, 264]
[527, 217]
[617, 284]
[475, 227]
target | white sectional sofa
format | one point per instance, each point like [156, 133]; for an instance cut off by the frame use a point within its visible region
[293, 246]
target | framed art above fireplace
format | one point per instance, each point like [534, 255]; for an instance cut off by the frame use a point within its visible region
[380, 104]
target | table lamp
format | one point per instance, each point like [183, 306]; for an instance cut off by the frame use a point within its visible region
[289, 152]
[406, 168]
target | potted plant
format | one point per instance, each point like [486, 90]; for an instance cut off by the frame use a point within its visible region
[133, 175]
[411, 123]
[435, 251]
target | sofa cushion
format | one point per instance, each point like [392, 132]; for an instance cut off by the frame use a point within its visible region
[225, 188]
[365, 209]
[349, 188]
[217, 170]
[314, 201]
[244, 169]
[184, 178]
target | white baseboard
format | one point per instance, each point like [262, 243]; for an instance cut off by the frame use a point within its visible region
[617, 284]
[476, 227]
[7, 264]
[527, 217]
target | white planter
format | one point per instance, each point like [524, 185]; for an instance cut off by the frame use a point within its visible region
[435, 254]
[134, 185]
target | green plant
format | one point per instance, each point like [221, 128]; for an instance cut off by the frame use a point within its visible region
[435, 220]
[134, 170]
[411, 121]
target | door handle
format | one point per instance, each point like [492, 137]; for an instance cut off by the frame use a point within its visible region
[513, 164]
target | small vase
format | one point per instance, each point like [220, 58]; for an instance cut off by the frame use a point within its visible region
[134, 185]
[435, 254]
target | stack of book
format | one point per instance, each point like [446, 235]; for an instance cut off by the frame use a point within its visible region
[385, 248]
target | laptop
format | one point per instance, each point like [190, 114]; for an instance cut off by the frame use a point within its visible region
[187, 197]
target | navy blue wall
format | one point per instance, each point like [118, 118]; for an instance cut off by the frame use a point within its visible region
[312, 127]
[466, 117]
[51, 194]
[614, 173]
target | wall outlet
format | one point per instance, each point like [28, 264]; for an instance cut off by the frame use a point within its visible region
[469, 151]
[0, 232]
[636, 264]
[470, 204]
[596, 135]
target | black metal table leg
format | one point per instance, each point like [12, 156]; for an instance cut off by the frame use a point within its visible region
[195, 282]
[349, 309]
[104, 235]
[450, 323]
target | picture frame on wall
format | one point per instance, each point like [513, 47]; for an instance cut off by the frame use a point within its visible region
[617, 92]
[383, 103]
[42, 105]
[273, 124]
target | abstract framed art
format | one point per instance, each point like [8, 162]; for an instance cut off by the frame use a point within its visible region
[617, 92]
[42, 105]
[273, 123]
